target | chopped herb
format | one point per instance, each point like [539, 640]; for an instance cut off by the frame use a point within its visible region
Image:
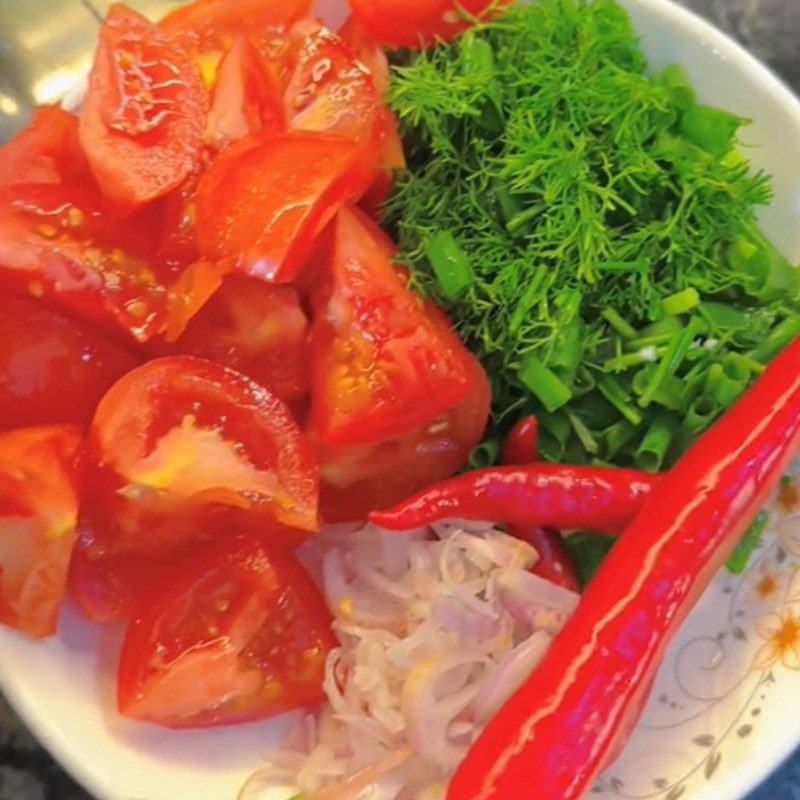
[738, 561]
[590, 229]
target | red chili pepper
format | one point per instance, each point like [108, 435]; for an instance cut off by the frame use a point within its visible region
[555, 562]
[582, 701]
[521, 445]
[545, 495]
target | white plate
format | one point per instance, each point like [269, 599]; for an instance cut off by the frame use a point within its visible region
[716, 725]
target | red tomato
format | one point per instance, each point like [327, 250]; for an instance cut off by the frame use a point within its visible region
[56, 245]
[47, 151]
[112, 589]
[176, 244]
[52, 370]
[238, 632]
[410, 23]
[181, 449]
[329, 90]
[357, 480]
[380, 367]
[278, 193]
[368, 52]
[245, 99]
[212, 24]
[38, 512]
[257, 329]
[143, 116]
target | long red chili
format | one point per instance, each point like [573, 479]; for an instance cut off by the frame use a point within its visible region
[546, 495]
[582, 701]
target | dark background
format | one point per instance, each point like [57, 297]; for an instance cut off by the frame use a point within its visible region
[769, 28]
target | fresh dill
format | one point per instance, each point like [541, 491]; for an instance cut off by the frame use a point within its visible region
[591, 229]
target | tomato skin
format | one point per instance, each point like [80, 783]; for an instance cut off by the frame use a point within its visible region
[279, 193]
[39, 476]
[52, 369]
[257, 329]
[236, 632]
[380, 367]
[46, 151]
[143, 115]
[182, 449]
[357, 480]
[411, 23]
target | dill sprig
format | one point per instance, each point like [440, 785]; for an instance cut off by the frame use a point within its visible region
[591, 229]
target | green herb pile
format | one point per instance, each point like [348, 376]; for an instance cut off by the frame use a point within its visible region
[591, 230]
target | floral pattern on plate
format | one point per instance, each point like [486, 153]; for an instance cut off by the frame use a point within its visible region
[728, 680]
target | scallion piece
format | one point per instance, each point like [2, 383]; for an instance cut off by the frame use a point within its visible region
[780, 336]
[621, 326]
[656, 443]
[450, 264]
[673, 356]
[619, 398]
[740, 557]
[541, 381]
[681, 302]
[485, 454]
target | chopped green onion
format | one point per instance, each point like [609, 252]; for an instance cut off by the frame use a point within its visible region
[777, 339]
[681, 302]
[618, 397]
[621, 326]
[711, 129]
[723, 318]
[617, 436]
[740, 557]
[583, 433]
[701, 413]
[656, 443]
[554, 432]
[671, 360]
[724, 388]
[485, 454]
[450, 264]
[541, 381]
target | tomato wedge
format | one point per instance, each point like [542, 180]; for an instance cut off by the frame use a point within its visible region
[368, 52]
[237, 632]
[52, 369]
[46, 151]
[143, 116]
[245, 99]
[182, 449]
[411, 23]
[380, 366]
[329, 90]
[257, 329]
[278, 193]
[357, 480]
[38, 510]
[56, 245]
[113, 589]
